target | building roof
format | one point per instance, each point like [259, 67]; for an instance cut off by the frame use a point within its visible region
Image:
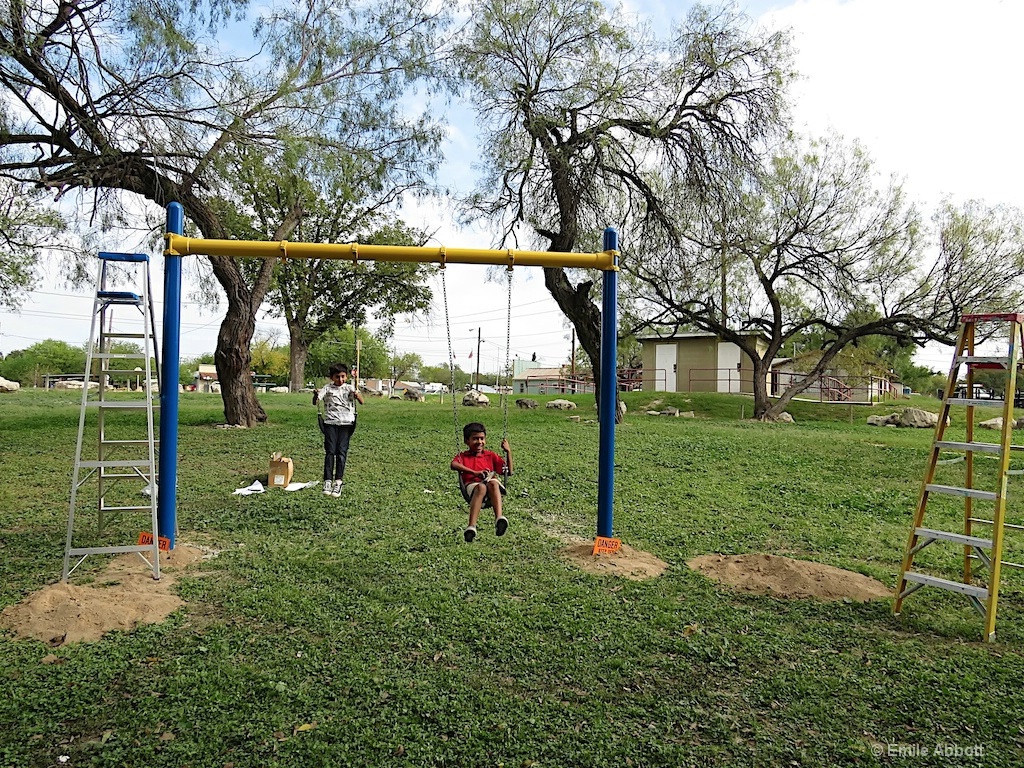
[538, 373]
[693, 335]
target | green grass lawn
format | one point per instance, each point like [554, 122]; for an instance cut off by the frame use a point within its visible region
[362, 631]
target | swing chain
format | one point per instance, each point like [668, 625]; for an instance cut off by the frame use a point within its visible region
[451, 358]
[506, 391]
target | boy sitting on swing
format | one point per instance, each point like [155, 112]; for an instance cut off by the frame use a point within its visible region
[480, 474]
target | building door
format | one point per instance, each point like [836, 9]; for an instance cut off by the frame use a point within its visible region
[665, 367]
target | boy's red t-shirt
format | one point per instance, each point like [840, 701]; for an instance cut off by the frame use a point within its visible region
[485, 460]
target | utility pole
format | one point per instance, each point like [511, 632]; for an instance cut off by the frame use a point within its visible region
[572, 360]
[476, 385]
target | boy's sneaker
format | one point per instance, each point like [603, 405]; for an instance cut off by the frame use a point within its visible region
[327, 487]
[469, 534]
[500, 526]
[338, 485]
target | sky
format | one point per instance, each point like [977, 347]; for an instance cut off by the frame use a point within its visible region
[927, 86]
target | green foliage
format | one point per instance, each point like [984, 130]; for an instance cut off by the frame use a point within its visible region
[269, 360]
[362, 631]
[339, 347]
[28, 226]
[442, 374]
[406, 366]
[921, 379]
[28, 366]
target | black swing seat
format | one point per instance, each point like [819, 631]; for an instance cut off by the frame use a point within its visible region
[505, 475]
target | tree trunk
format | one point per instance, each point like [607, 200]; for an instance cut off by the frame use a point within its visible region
[575, 303]
[297, 359]
[764, 408]
[234, 369]
[233, 357]
[762, 403]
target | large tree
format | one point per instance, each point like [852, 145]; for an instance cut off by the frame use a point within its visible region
[341, 199]
[587, 117]
[27, 228]
[142, 98]
[319, 296]
[813, 245]
[339, 346]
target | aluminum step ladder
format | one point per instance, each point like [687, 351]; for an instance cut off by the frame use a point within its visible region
[980, 494]
[118, 420]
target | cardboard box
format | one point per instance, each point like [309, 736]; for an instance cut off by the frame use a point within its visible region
[281, 470]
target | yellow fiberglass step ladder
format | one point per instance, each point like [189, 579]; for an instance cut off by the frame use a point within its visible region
[120, 417]
[986, 549]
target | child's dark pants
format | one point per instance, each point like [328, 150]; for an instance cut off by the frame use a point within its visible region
[336, 440]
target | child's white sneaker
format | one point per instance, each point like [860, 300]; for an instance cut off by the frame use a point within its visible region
[469, 534]
[500, 526]
[327, 487]
[338, 484]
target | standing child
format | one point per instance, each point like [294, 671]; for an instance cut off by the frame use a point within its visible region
[339, 423]
[480, 472]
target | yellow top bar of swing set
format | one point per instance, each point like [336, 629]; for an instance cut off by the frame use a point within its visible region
[180, 245]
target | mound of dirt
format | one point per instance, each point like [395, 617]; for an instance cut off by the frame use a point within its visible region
[786, 578]
[627, 562]
[123, 596]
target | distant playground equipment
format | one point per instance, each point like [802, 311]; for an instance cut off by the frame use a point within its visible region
[177, 245]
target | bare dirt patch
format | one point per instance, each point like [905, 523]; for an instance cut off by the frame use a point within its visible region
[786, 578]
[628, 563]
[122, 596]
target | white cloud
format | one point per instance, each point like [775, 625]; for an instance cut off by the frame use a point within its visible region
[927, 86]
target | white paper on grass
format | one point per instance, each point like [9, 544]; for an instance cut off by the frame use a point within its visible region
[256, 487]
[300, 486]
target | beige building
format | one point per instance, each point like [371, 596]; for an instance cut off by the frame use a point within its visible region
[543, 381]
[206, 378]
[696, 362]
[701, 362]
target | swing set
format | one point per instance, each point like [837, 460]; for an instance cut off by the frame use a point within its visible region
[177, 246]
[503, 394]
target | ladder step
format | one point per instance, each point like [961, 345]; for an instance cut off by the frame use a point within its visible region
[75, 551]
[137, 258]
[119, 297]
[956, 538]
[92, 463]
[981, 317]
[156, 442]
[953, 586]
[974, 493]
[975, 447]
[993, 403]
[120, 356]
[124, 404]
[116, 335]
[126, 373]
[980, 362]
[983, 521]
[126, 509]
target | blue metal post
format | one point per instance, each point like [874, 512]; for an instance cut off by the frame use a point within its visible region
[167, 500]
[609, 390]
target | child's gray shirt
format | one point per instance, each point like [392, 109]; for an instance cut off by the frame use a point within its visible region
[339, 403]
